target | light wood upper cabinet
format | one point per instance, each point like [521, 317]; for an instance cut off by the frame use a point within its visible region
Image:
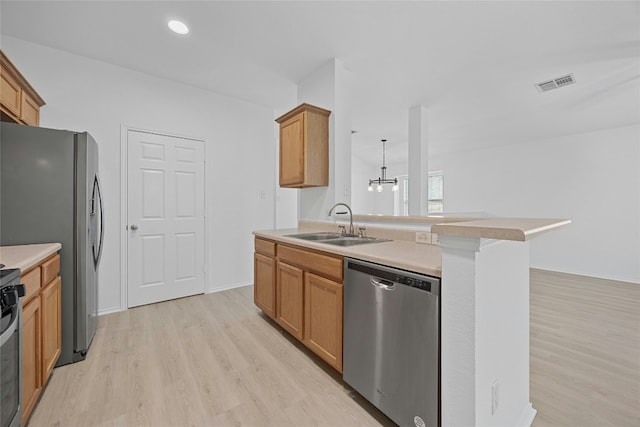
[19, 102]
[304, 147]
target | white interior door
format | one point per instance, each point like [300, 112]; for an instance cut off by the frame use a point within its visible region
[165, 204]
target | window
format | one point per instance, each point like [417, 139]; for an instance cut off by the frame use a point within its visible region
[401, 197]
[404, 181]
[436, 192]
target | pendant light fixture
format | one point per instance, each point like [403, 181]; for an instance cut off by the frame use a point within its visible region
[382, 179]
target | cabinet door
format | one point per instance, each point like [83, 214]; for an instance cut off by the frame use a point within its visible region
[290, 299]
[323, 318]
[30, 113]
[10, 93]
[31, 357]
[264, 284]
[51, 331]
[292, 151]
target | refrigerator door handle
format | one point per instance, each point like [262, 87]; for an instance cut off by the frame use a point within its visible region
[98, 255]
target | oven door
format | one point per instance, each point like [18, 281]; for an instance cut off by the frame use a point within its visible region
[10, 383]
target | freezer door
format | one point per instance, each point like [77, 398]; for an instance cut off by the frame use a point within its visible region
[89, 232]
[38, 204]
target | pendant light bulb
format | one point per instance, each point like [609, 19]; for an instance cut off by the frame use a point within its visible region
[178, 27]
[382, 179]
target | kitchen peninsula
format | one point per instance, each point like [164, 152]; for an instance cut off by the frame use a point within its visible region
[484, 267]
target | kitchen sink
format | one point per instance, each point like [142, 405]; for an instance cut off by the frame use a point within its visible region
[336, 239]
[316, 236]
[351, 241]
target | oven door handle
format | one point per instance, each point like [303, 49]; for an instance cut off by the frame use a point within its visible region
[15, 318]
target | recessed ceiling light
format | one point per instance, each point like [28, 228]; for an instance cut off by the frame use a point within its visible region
[178, 27]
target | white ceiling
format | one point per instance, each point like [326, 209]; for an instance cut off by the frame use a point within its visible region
[473, 65]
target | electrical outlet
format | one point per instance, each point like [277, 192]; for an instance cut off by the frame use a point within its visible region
[494, 396]
[434, 239]
[423, 237]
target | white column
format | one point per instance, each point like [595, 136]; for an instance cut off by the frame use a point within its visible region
[330, 87]
[485, 333]
[418, 161]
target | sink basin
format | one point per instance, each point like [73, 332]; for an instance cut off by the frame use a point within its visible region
[351, 241]
[316, 236]
[336, 239]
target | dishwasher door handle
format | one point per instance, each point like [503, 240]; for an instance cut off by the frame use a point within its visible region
[383, 284]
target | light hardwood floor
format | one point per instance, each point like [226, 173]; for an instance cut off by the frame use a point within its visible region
[215, 360]
[208, 360]
[585, 351]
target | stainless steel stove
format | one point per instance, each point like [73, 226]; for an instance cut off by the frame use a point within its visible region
[10, 347]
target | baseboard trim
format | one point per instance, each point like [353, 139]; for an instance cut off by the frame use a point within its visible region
[110, 311]
[228, 287]
[527, 416]
[209, 291]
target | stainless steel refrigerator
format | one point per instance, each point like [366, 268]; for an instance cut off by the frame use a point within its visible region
[50, 192]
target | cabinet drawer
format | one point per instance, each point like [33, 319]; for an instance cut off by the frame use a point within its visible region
[324, 264]
[265, 247]
[50, 269]
[31, 282]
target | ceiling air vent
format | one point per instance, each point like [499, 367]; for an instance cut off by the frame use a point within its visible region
[556, 83]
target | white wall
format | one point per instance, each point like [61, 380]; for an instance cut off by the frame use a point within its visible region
[592, 179]
[83, 94]
[329, 87]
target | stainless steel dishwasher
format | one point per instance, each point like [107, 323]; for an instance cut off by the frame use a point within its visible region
[392, 341]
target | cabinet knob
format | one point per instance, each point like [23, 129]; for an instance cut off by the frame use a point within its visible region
[134, 227]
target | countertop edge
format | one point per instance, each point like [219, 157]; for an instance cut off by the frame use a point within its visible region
[516, 229]
[25, 257]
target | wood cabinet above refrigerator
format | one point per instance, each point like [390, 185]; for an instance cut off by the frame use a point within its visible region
[19, 102]
[304, 147]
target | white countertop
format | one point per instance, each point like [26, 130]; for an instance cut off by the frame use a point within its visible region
[518, 229]
[25, 257]
[420, 258]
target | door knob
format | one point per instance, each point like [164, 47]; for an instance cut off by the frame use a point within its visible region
[134, 227]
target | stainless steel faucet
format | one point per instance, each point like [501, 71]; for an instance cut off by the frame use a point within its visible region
[351, 232]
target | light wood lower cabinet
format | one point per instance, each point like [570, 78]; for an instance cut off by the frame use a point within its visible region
[31, 357]
[264, 279]
[290, 297]
[323, 318]
[307, 292]
[41, 329]
[264, 276]
[50, 302]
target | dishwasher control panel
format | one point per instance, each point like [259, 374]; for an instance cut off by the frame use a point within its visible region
[404, 278]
